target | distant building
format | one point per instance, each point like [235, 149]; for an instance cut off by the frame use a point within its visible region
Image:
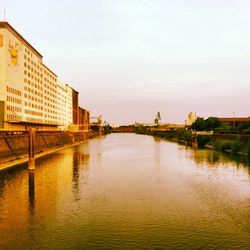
[64, 102]
[190, 119]
[83, 120]
[75, 101]
[235, 121]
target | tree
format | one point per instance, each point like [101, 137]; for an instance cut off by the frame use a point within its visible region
[211, 123]
[244, 125]
[199, 124]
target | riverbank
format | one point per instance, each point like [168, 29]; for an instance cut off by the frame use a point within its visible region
[232, 143]
[14, 147]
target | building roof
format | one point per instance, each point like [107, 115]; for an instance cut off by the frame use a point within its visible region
[7, 26]
[234, 119]
[49, 70]
[83, 109]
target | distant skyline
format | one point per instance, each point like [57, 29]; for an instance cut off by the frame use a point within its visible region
[130, 59]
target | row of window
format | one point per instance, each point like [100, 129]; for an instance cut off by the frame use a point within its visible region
[49, 110]
[29, 58]
[13, 108]
[33, 98]
[32, 105]
[50, 86]
[34, 120]
[13, 117]
[33, 70]
[13, 91]
[50, 117]
[50, 122]
[33, 91]
[13, 99]
[48, 74]
[50, 94]
[32, 112]
[31, 76]
[33, 84]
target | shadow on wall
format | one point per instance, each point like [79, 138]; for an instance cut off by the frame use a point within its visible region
[13, 147]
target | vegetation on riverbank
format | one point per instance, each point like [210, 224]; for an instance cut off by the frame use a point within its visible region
[234, 143]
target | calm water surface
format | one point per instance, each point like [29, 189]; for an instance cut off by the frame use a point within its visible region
[127, 191]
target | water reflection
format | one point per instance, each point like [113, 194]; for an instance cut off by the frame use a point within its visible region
[126, 191]
[157, 155]
[80, 161]
[213, 158]
[32, 190]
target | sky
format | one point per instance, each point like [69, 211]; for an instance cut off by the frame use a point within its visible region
[130, 59]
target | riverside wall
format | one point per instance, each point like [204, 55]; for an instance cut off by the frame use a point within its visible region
[14, 146]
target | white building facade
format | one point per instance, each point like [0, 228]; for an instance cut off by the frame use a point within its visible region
[30, 93]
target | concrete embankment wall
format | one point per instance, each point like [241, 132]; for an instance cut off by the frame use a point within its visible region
[15, 146]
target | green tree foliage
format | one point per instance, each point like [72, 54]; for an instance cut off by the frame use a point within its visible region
[224, 127]
[212, 123]
[235, 146]
[199, 124]
[209, 124]
[222, 145]
[248, 148]
[244, 125]
[188, 136]
[202, 140]
[180, 134]
[225, 145]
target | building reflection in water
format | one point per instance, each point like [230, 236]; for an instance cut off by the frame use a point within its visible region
[32, 190]
[80, 165]
[157, 155]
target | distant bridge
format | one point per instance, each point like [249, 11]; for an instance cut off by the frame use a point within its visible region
[124, 129]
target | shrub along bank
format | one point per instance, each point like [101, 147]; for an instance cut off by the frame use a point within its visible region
[234, 143]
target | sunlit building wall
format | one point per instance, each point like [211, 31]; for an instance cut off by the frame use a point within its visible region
[50, 96]
[69, 91]
[21, 80]
[30, 92]
[64, 105]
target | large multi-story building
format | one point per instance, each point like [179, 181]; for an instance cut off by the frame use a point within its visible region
[30, 92]
[21, 80]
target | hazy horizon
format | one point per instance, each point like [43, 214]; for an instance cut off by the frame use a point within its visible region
[131, 59]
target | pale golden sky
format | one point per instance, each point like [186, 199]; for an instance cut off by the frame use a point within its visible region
[130, 59]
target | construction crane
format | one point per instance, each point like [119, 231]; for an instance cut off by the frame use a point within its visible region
[97, 123]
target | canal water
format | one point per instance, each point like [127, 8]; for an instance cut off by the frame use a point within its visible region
[127, 191]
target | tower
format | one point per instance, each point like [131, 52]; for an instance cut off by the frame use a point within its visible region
[158, 118]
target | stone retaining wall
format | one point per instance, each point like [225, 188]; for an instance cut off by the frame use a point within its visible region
[13, 147]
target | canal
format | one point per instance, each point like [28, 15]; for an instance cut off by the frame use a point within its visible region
[127, 191]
